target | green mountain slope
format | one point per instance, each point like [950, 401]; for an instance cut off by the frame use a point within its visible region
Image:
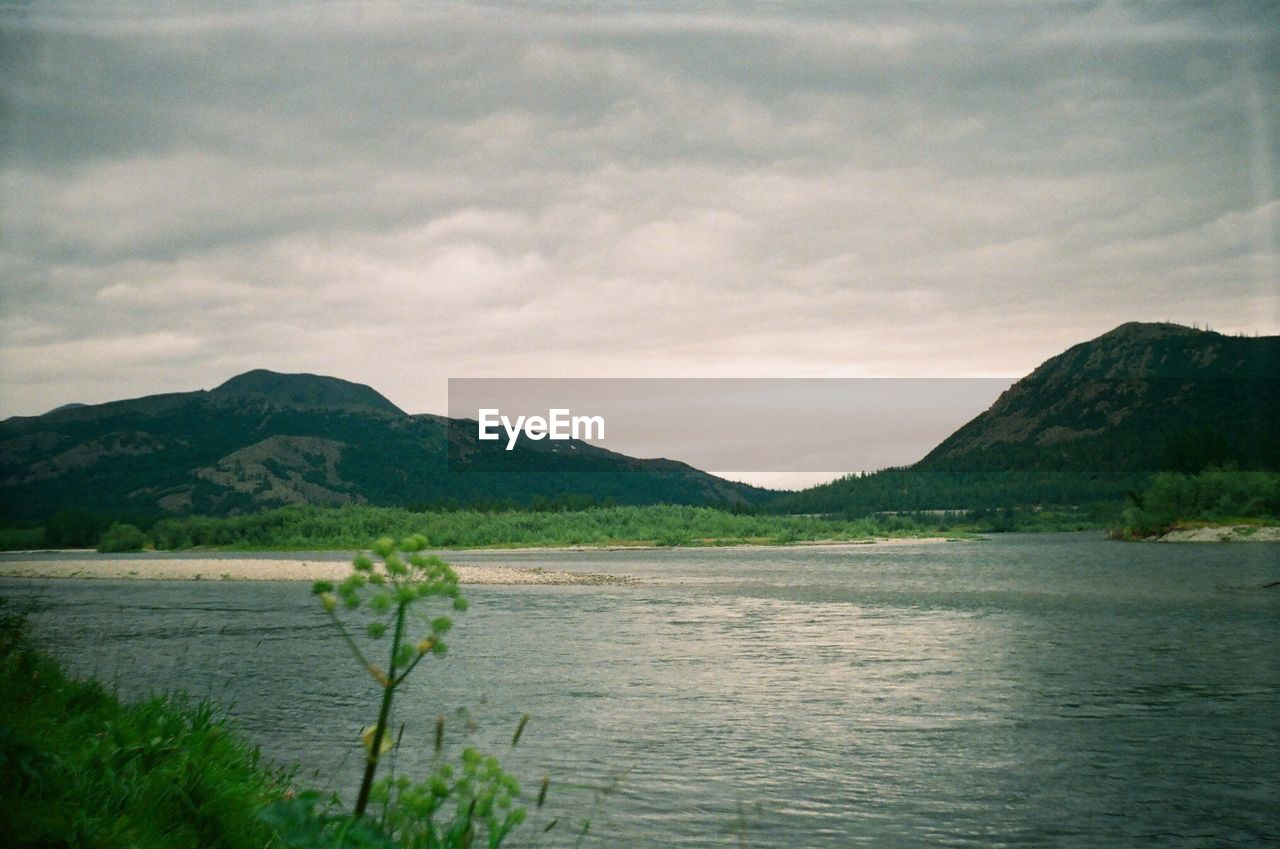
[1091, 424]
[264, 440]
[1141, 398]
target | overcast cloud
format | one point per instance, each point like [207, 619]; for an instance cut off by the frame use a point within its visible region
[399, 194]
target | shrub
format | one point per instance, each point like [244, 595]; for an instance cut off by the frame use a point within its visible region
[73, 529]
[18, 539]
[122, 537]
[1214, 495]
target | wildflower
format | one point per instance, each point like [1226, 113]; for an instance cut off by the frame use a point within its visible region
[367, 736]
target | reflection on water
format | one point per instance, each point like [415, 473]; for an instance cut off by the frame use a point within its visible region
[1037, 691]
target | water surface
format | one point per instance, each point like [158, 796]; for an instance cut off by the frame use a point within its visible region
[1050, 690]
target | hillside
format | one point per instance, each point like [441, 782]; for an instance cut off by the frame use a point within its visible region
[1088, 425]
[264, 439]
[1141, 398]
[1091, 424]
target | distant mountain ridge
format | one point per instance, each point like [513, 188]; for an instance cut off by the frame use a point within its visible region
[264, 439]
[1090, 424]
[1135, 399]
[256, 387]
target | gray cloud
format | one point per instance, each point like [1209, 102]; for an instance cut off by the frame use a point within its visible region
[399, 194]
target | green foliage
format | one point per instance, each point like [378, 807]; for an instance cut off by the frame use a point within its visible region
[472, 804]
[1033, 520]
[909, 490]
[21, 539]
[309, 821]
[454, 807]
[78, 768]
[312, 528]
[75, 528]
[122, 537]
[1214, 496]
[1194, 449]
[15, 624]
[389, 590]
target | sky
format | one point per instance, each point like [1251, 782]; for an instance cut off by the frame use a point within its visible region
[399, 194]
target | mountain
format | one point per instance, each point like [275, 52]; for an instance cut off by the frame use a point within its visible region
[71, 406]
[300, 391]
[264, 439]
[1091, 424]
[1141, 398]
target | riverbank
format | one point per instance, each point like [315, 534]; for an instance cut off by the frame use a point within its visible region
[80, 767]
[161, 568]
[302, 528]
[716, 544]
[1223, 533]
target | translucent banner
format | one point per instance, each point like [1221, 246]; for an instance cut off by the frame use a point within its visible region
[721, 425]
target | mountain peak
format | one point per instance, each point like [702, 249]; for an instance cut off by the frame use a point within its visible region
[1149, 350]
[265, 439]
[1128, 400]
[1140, 331]
[301, 390]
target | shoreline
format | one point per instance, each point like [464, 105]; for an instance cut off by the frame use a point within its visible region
[180, 553]
[1222, 533]
[164, 566]
[250, 569]
[735, 546]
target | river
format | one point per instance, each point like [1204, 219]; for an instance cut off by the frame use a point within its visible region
[1026, 690]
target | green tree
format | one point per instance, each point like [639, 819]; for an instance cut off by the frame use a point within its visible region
[122, 537]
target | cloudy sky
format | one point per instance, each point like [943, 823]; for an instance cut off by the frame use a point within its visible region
[398, 194]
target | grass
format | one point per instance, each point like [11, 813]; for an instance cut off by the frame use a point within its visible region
[311, 528]
[79, 768]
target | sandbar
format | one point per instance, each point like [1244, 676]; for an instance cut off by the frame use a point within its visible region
[160, 568]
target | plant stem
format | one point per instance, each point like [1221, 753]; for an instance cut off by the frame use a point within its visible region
[351, 644]
[388, 691]
[408, 669]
